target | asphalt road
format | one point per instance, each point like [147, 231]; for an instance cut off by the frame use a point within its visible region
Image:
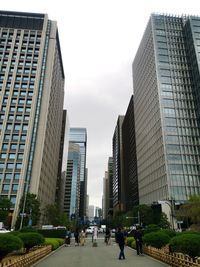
[100, 256]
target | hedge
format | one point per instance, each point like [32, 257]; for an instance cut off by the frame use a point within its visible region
[9, 243]
[56, 233]
[31, 239]
[186, 243]
[156, 239]
[129, 241]
[54, 242]
[151, 228]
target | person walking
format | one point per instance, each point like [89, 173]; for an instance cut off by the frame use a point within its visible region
[108, 236]
[76, 236]
[82, 238]
[120, 241]
[68, 237]
[138, 241]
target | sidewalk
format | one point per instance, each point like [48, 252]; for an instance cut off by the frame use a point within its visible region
[100, 256]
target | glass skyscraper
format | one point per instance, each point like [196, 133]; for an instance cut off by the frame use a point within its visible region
[31, 106]
[166, 80]
[72, 185]
[79, 136]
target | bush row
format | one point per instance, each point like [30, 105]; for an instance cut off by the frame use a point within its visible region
[186, 242]
[17, 240]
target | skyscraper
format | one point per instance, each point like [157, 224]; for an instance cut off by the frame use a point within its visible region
[118, 181]
[166, 84]
[72, 185]
[31, 106]
[130, 158]
[79, 136]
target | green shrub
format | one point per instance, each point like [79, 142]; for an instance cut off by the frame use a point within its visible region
[156, 239]
[28, 229]
[53, 242]
[9, 243]
[151, 228]
[57, 233]
[133, 244]
[31, 239]
[186, 243]
[170, 233]
[129, 241]
[60, 241]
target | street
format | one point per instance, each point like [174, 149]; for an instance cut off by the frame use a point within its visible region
[100, 256]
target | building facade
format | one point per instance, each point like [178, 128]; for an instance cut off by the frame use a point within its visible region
[31, 106]
[118, 182]
[130, 158]
[79, 136]
[166, 84]
[110, 186]
[72, 184]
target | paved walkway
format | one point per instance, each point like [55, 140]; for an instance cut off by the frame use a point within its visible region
[100, 256]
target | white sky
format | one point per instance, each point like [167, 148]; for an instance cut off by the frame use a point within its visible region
[99, 39]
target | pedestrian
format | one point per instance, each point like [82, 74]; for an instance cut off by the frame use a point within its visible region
[76, 236]
[68, 238]
[82, 238]
[138, 241]
[107, 236]
[120, 241]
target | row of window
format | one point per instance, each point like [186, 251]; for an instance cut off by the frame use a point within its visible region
[7, 187]
[17, 166]
[9, 176]
[11, 156]
[13, 146]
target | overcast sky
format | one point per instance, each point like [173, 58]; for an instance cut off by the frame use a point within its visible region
[99, 40]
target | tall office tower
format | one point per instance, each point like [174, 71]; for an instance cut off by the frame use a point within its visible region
[31, 106]
[79, 136]
[130, 158]
[118, 183]
[110, 186]
[105, 196]
[166, 96]
[62, 164]
[72, 185]
[91, 212]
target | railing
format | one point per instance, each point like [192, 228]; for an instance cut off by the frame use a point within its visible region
[173, 259]
[27, 259]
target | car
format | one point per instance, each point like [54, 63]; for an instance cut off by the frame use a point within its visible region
[90, 230]
[4, 231]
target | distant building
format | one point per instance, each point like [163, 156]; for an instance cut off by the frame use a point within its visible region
[166, 81]
[105, 206]
[79, 136]
[130, 175]
[118, 182]
[62, 166]
[72, 185]
[31, 107]
[110, 186]
[91, 210]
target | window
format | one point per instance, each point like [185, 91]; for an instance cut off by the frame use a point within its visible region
[13, 199]
[20, 109]
[8, 176]
[15, 137]
[2, 165]
[5, 146]
[21, 147]
[6, 187]
[25, 127]
[9, 126]
[16, 176]
[20, 156]
[17, 127]
[10, 165]
[18, 166]
[23, 137]
[13, 146]
[3, 155]
[12, 156]
[14, 187]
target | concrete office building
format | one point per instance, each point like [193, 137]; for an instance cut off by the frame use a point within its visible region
[79, 136]
[166, 80]
[72, 184]
[130, 158]
[31, 106]
[110, 186]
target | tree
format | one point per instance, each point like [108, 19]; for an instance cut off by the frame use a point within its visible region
[31, 211]
[55, 217]
[191, 209]
[144, 214]
[5, 205]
